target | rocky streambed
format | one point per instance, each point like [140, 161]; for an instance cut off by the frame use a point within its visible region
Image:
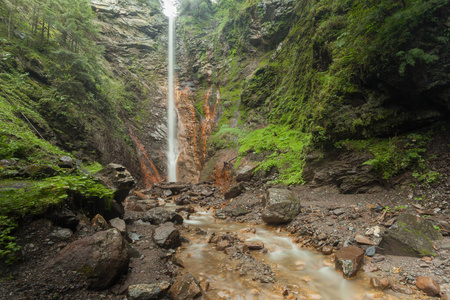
[180, 241]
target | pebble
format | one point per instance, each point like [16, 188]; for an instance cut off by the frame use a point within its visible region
[371, 251]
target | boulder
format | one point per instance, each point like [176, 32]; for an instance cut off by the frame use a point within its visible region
[66, 162]
[147, 291]
[428, 285]
[410, 235]
[167, 236]
[183, 199]
[245, 171]
[116, 177]
[119, 224]
[64, 218]
[101, 258]
[159, 215]
[234, 191]
[280, 206]
[36, 171]
[349, 260]
[187, 287]
[254, 245]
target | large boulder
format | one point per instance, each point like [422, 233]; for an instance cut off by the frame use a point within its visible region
[167, 236]
[159, 215]
[245, 171]
[101, 258]
[349, 260]
[410, 235]
[117, 178]
[187, 287]
[280, 206]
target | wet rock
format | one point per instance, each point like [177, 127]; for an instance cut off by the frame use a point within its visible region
[411, 236]
[159, 215]
[349, 260]
[220, 214]
[62, 234]
[280, 206]
[236, 249]
[234, 191]
[101, 258]
[184, 199]
[186, 287]
[117, 178]
[255, 245]
[119, 224]
[327, 250]
[167, 236]
[36, 171]
[64, 218]
[428, 285]
[66, 162]
[379, 284]
[147, 291]
[222, 245]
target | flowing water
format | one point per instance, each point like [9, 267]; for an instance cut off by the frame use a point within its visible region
[170, 10]
[305, 274]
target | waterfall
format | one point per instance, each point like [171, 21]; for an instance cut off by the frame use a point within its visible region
[170, 9]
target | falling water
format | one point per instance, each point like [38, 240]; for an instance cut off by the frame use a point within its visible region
[170, 9]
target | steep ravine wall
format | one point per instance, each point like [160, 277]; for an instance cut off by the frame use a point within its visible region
[332, 70]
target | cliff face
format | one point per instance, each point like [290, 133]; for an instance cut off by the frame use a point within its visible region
[331, 71]
[134, 38]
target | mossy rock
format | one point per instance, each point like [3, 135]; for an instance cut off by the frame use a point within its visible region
[410, 236]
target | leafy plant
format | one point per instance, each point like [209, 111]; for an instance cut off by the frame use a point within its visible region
[412, 56]
[285, 150]
[8, 247]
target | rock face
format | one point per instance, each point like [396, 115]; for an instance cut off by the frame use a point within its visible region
[101, 258]
[349, 260]
[428, 285]
[280, 206]
[167, 236]
[410, 235]
[186, 288]
[147, 291]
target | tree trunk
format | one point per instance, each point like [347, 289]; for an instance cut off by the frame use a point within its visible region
[42, 33]
[9, 25]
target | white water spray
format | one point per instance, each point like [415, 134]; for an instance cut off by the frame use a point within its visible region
[170, 10]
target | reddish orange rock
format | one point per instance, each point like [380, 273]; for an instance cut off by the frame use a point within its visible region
[428, 285]
[349, 260]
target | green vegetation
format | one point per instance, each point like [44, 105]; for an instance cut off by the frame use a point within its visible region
[38, 197]
[319, 82]
[391, 156]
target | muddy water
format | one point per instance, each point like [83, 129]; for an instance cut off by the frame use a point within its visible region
[306, 275]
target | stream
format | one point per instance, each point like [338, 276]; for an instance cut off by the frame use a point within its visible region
[299, 273]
